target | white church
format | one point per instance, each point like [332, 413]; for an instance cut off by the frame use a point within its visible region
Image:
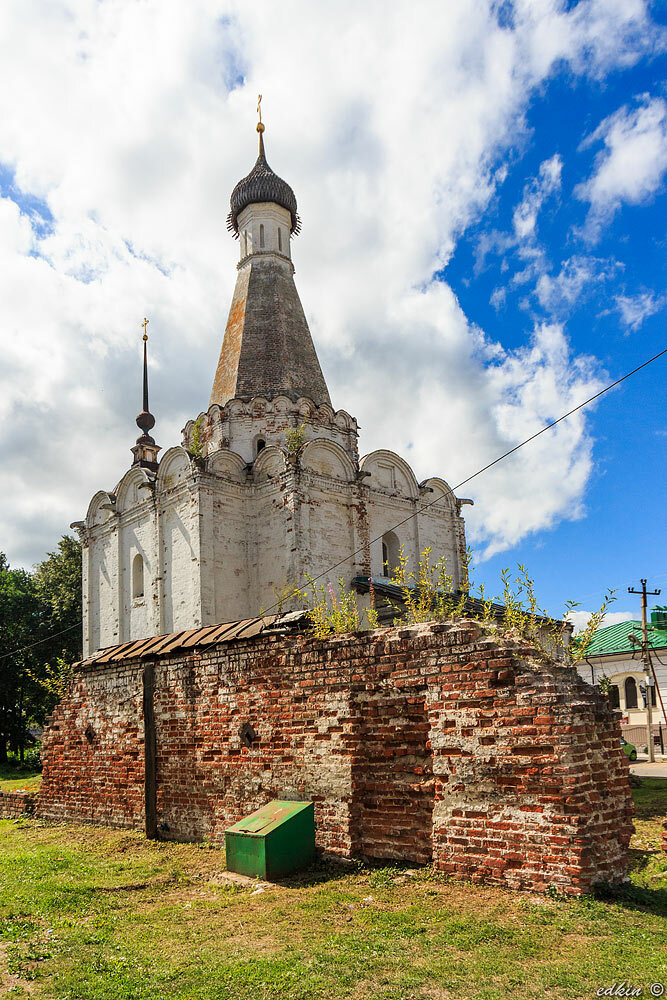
[267, 485]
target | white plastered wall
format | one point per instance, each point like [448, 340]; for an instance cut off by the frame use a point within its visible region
[221, 536]
[274, 220]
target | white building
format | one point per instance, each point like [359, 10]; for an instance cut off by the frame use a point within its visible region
[267, 485]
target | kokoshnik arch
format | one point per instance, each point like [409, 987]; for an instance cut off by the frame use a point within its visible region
[215, 529]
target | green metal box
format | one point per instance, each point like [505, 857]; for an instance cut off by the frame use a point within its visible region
[275, 840]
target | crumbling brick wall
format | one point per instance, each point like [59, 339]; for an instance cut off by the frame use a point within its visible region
[425, 742]
[93, 750]
[14, 805]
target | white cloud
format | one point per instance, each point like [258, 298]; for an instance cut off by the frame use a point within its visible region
[634, 309]
[578, 277]
[631, 166]
[580, 618]
[133, 125]
[536, 191]
[498, 297]
[523, 237]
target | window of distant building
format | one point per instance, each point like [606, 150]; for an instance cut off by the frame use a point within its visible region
[614, 696]
[630, 693]
[261, 235]
[280, 239]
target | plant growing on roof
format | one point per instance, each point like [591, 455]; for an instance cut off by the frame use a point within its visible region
[295, 437]
[196, 444]
[429, 593]
[284, 594]
[332, 612]
[582, 640]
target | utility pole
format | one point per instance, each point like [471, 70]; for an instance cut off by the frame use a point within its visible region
[648, 667]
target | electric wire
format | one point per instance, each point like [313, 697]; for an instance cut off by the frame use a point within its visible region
[39, 642]
[425, 506]
[479, 472]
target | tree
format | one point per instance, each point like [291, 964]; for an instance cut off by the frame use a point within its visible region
[21, 625]
[40, 637]
[58, 586]
[58, 583]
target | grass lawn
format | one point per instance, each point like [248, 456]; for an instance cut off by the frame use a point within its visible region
[14, 778]
[104, 915]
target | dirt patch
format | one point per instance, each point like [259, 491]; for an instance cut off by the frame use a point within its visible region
[9, 980]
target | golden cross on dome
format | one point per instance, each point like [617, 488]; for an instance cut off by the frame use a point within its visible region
[259, 107]
[145, 324]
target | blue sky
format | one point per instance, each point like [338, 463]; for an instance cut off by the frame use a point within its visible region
[482, 189]
[622, 533]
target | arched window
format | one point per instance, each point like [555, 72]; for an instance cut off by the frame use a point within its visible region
[280, 239]
[391, 550]
[614, 696]
[137, 576]
[630, 693]
[259, 445]
[261, 235]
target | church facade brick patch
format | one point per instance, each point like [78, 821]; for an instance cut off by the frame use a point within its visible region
[429, 743]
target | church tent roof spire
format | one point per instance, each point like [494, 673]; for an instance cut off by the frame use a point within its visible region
[267, 349]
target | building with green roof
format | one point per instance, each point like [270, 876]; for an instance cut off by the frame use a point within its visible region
[615, 652]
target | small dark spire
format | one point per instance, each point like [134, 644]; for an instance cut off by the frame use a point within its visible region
[260, 126]
[145, 420]
[145, 450]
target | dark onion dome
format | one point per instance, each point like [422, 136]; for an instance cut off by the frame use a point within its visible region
[262, 184]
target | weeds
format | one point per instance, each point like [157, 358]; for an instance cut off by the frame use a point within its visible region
[582, 640]
[428, 594]
[196, 448]
[330, 612]
[294, 438]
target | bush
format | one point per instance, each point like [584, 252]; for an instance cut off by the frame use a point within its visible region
[32, 760]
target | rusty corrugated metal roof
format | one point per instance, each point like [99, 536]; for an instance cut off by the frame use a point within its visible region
[209, 635]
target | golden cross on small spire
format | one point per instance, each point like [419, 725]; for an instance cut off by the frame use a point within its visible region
[259, 107]
[145, 324]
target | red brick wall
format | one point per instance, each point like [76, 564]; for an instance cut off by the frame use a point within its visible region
[429, 741]
[94, 750]
[13, 805]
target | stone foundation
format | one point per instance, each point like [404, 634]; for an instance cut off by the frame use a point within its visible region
[428, 743]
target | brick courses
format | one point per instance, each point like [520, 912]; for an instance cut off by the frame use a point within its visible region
[429, 742]
[14, 805]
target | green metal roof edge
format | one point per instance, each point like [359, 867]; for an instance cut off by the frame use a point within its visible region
[614, 638]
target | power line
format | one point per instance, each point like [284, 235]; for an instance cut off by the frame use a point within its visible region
[490, 465]
[39, 642]
[351, 555]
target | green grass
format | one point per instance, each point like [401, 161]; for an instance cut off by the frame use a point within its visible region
[18, 777]
[92, 914]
